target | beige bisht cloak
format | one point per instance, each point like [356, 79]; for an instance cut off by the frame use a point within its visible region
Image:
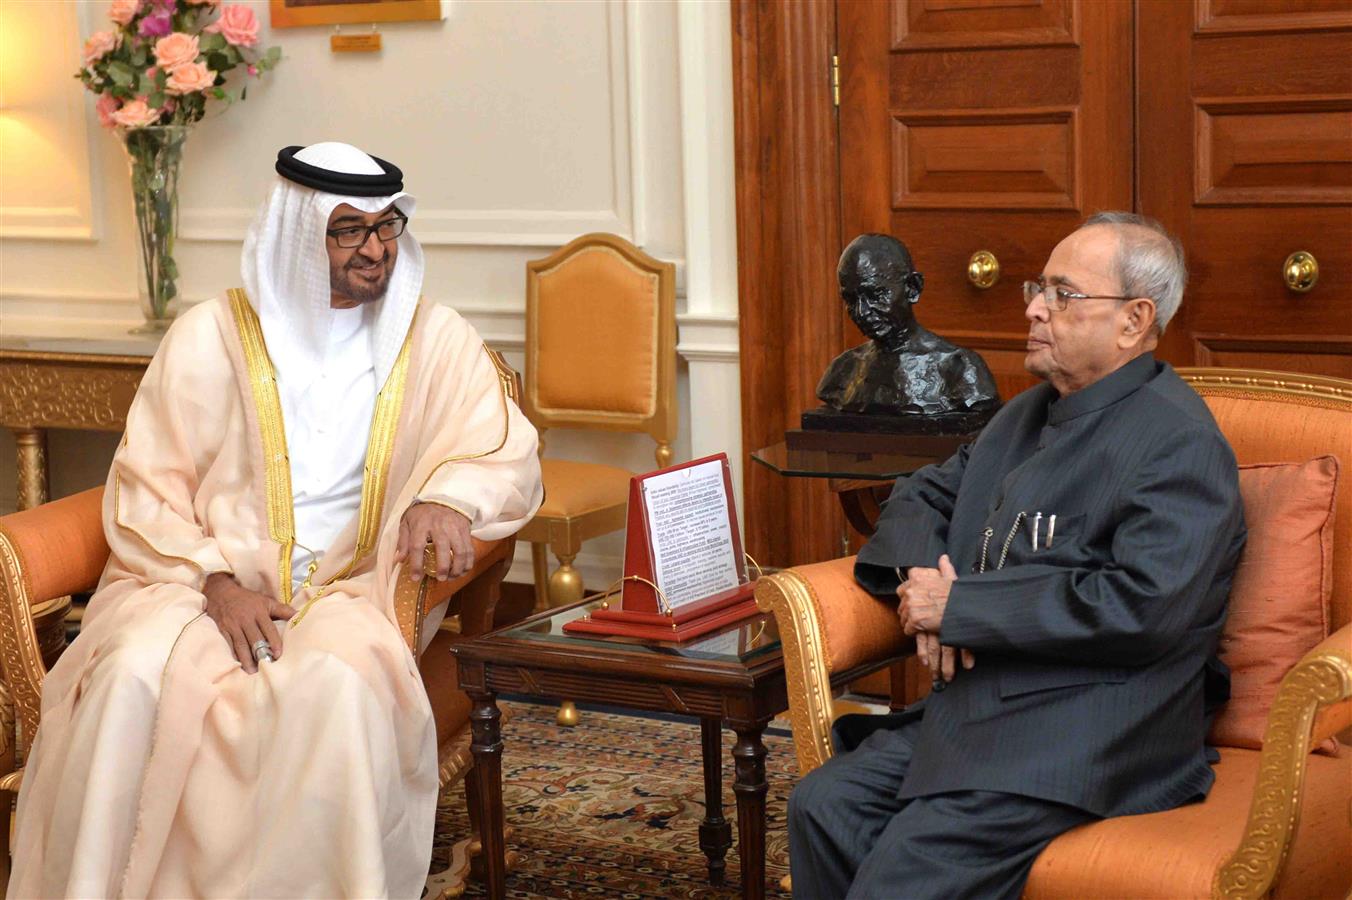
[162, 769]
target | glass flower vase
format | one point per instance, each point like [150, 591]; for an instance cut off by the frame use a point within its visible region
[154, 155]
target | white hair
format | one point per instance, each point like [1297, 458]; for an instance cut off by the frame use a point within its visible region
[1150, 261]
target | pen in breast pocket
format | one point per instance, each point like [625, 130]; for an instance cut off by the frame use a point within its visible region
[1051, 530]
[1037, 526]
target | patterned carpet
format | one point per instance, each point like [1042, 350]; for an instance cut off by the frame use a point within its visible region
[611, 808]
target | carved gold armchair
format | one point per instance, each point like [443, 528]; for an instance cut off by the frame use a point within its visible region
[58, 549]
[1278, 822]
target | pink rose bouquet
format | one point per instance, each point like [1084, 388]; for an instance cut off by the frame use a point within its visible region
[99, 45]
[165, 60]
[123, 11]
[237, 25]
[154, 74]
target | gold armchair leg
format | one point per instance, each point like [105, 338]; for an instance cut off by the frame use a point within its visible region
[565, 585]
[539, 563]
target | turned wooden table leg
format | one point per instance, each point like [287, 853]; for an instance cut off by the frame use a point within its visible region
[485, 720]
[715, 832]
[32, 459]
[751, 787]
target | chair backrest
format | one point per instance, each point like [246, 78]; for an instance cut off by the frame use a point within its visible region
[1287, 417]
[601, 339]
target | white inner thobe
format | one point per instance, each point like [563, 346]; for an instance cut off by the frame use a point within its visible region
[327, 428]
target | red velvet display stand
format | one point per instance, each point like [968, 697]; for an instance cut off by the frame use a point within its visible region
[640, 612]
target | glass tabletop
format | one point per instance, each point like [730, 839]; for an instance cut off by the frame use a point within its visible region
[865, 466]
[737, 643]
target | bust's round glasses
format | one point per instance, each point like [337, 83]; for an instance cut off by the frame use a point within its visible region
[1057, 297]
[354, 236]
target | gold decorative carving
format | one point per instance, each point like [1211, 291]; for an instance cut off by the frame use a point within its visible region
[798, 614]
[32, 465]
[12, 781]
[1258, 384]
[68, 390]
[7, 736]
[19, 654]
[1254, 867]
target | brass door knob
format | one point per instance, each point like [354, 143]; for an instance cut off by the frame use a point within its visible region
[1301, 271]
[983, 269]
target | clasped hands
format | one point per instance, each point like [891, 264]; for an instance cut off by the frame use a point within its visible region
[924, 597]
[245, 617]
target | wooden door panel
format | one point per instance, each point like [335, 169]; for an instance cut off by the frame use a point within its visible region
[1291, 152]
[1279, 64]
[1219, 16]
[1006, 124]
[1011, 78]
[1245, 117]
[1004, 160]
[964, 24]
[1236, 257]
[1314, 354]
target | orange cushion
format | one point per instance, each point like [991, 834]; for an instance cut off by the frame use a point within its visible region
[856, 627]
[1280, 429]
[596, 343]
[61, 543]
[1280, 598]
[573, 488]
[1176, 854]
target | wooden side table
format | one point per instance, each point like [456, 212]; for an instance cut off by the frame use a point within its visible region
[733, 677]
[83, 382]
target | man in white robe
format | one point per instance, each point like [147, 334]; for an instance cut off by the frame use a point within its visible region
[240, 715]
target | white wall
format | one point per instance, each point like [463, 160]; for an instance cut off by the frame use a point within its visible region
[519, 124]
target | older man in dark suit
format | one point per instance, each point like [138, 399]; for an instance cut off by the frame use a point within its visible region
[1065, 577]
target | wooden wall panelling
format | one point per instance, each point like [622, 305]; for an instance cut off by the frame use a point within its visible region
[927, 25]
[1244, 112]
[1294, 353]
[788, 240]
[1250, 16]
[1000, 136]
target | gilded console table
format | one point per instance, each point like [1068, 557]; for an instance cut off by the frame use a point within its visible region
[79, 381]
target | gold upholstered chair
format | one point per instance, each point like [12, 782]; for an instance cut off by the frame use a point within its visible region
[58, 549]
[1278, 822]
[600, 354]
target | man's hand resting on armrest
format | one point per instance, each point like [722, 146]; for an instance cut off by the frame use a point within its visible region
[444, 527]
[924, 596]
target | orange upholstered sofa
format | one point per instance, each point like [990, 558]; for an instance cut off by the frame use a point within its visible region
[1278, 821]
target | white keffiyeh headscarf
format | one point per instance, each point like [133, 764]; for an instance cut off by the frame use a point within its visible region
[285, 267]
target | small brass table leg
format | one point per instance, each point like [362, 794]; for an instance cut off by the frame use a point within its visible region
[568, 715]
[32, 459]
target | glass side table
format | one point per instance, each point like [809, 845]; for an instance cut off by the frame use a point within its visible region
[860, 479]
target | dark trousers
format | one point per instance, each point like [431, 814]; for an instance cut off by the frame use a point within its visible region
[849, 835]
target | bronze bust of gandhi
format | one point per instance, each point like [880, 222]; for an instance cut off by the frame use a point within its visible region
[905, 373]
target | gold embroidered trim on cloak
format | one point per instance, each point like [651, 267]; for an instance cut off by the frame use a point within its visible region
[505, 383]
[117, 520]
[276, 462]
[376, 472]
